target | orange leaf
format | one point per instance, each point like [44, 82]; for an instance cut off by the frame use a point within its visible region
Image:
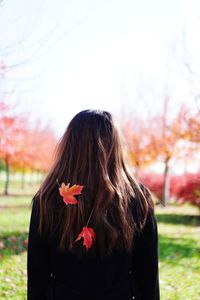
[68, 192]
[88, 236]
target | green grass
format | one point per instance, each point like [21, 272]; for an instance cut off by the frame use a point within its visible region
[179, 244]
[179, 247]
[14, 220]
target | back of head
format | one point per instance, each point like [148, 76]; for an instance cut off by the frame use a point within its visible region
[90, 154]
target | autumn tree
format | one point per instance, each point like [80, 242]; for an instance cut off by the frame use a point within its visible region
[167, 136]
[136, 136]
[11, 142]
[24, 147]
[193, 128]
[161, 138]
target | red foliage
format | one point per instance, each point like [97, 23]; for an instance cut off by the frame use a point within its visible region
[68, 193]
[23, 147]
[185, 188]
[154, 182]
[88, 236]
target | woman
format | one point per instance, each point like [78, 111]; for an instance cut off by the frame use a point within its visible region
[93, 232]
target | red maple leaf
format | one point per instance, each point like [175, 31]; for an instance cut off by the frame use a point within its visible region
[68, 192]
[88, 236]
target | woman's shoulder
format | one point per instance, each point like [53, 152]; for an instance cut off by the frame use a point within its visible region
[147, 193]
[143, 213]
[150, 224]
[35, 203]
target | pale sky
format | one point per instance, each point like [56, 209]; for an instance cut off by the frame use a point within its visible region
[117, 55]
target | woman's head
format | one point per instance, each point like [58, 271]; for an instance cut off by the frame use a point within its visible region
[89, 148]
[90, 154]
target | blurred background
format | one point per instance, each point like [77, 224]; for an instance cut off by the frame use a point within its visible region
[140, 61]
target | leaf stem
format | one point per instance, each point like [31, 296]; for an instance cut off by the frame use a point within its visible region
[58, 182]
[89, 217]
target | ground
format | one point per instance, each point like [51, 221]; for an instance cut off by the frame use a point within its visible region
[179, 248]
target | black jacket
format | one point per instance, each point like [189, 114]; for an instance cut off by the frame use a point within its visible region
[122, 276]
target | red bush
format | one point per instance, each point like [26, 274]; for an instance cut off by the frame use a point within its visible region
[154, 182]
[185, 188]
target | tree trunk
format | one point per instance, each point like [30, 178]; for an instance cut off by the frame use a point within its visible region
[23, 178]
[165, 192]
[31, 177]
[38, 177]
[7, 178]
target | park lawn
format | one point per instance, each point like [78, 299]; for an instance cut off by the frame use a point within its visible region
[179, 248]
[14, 220]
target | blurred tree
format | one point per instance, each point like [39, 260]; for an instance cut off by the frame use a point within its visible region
[167, 135]
[193, 128]
[10, 143]
[23, 148]
[135, 131]
[157, 139]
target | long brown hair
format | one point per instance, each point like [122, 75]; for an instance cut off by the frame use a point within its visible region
[90, 154]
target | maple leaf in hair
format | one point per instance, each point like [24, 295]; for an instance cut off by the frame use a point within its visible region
[68, 193]
[88, 236]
